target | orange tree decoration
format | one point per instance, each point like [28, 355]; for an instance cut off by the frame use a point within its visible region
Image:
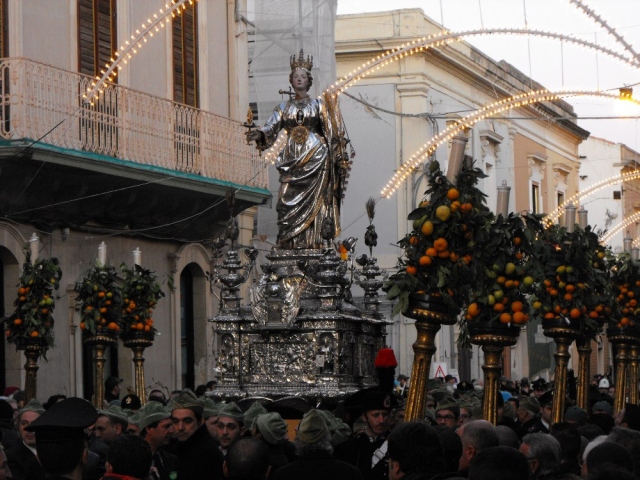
[625, 279]
[439, 252]
[509, 270]
[576, 287]
[99, 300]
[140, 292]
[32, 319]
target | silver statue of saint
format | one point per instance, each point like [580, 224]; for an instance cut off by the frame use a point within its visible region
[313, 164]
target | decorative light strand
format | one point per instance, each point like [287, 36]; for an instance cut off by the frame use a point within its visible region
[444, 38]
[600, 21]
[520, 100]
[577, 197]
[624, 224]
[130, 48]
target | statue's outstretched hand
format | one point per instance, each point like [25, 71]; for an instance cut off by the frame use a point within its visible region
[254, 136]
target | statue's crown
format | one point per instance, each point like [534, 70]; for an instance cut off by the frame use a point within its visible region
[300, 62]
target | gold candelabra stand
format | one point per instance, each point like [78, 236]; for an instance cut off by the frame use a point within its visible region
[138, 342]
[100, 342]
[583, 342]
[32, 351]
[563, 334]
[622, 338]
[493, 338]
[430, 314]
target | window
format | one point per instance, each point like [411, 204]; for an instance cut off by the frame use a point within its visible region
[535, 198]
[185, 57]
[560, 199]
[97, 34]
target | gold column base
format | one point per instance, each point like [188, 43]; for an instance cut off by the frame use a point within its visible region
[100, 344]
[634, 351]
[584, 371]
[31, 352]
[423, 348]
[563, 335]
[623, 340]
[137, 343]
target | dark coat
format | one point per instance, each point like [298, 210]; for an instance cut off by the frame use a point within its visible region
[199, 457]
[165, 464]
[18, 459]
[358, 451]
[321, 466]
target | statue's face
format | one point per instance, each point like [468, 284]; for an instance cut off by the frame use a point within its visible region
[300, 80]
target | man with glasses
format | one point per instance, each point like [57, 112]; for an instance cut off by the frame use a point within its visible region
[448, 412]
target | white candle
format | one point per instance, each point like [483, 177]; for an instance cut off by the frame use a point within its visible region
[102, 253]
[34, 245]
[137, 256]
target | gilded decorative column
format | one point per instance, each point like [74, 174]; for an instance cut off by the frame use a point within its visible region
[622, 338]
[430, 315]
[634, 351]
[32, 352]
[137, 342]
[563, 335]
[584, 371]
[100, 344]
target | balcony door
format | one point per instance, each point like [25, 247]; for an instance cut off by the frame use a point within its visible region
[97, 42]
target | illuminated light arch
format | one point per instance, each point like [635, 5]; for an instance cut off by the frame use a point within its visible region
[130, 48]
[622, 225]
[446, 37]
[468, 121]
[577, 197]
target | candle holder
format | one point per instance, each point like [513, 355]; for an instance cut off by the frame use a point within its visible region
[623, 338]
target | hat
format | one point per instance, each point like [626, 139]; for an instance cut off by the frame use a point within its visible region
[524, 382]
[576, 414]
[133, 416]
[32, 406]
[152, 412]
[211, 408]
[539, 384]
[131, 402]
[115, 414]
[312, 427]
[604, 383]
[402, 377]
[505, 395]
[233, 411]
[111, 382]
[338, 430]
[66, 420]
[252, 412]
[8, 391]
[187, 399]
[448, 403]
[602, 407]
[530, 404]
[376, 400]
[546, 398]
[272, 427]
[465, 386]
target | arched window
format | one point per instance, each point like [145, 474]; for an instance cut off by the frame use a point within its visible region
[193, 326]
[186, 329]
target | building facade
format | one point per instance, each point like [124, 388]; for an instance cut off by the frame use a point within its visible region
[146, 166]
[393, 111]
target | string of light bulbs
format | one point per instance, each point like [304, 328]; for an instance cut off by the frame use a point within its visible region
[130, 48]
[624, 224]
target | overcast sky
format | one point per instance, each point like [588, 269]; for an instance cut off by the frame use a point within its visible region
[554, 64]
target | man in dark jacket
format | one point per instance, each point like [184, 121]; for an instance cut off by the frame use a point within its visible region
[198, 454]
[155, 429]
[129, 458]
[21, 455]
[367, 448]
[315, 462]
[414, 452]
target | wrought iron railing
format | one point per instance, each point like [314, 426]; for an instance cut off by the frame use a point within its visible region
[38, 101]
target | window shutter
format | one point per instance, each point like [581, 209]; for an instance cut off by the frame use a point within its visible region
[185, 57]
[97, 35]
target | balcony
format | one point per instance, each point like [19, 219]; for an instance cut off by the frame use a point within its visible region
[132, 162]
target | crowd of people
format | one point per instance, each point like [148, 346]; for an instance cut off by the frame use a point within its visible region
[184, 435]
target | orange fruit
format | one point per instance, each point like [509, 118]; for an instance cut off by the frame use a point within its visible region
[101, 294]
[427, 228]
[624, 321]
[82, 326]
[505, 318]
[17, 321]
[440, 244]
[411, 270]
[35, 333]
[473, 309]
[112, 326]
[593, 314]
[568, 297]
[453, 194]
[454, 257]
[517, 240]
[147, 328]
[517, 306]
[575, 313]
[498, 307]
[425, 260]
[570, 288]
[413, 240]
[103, 310]
[549, 316]
[443, 254]
[519, 318]
[432, 252]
